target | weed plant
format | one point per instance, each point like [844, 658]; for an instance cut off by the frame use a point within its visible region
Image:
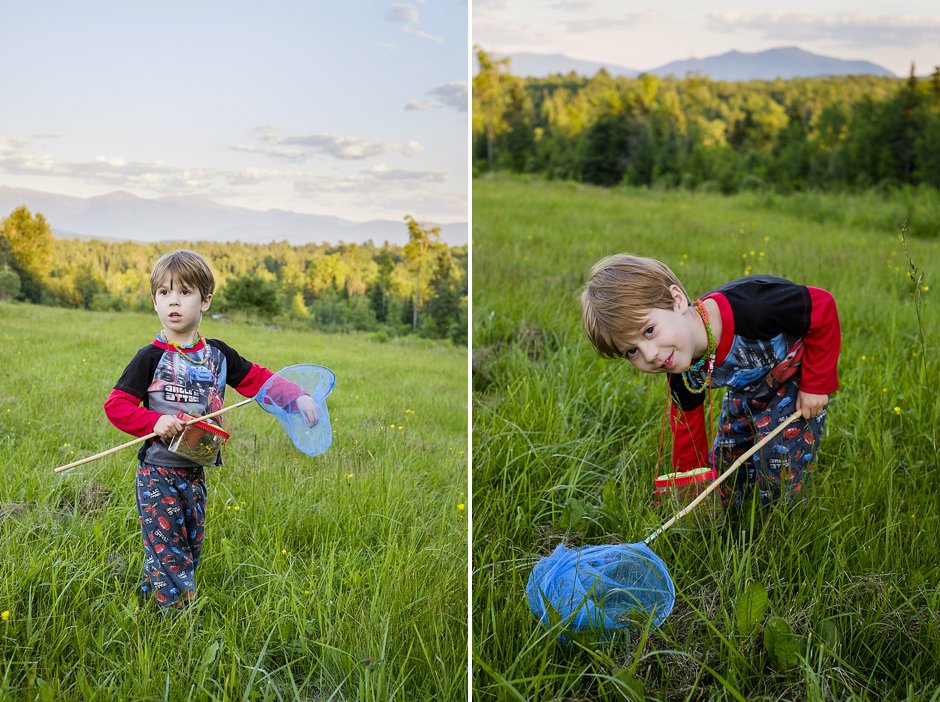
[341, 577]
[834, 599]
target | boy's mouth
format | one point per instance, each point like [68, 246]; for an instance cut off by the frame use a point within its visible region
[667, 364]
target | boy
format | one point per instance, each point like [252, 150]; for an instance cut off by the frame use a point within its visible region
[180, 372]
[774, 344]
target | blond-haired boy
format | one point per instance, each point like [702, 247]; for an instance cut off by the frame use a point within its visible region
[773, 343]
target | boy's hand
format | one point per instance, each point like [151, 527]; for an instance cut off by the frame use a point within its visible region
[168, 426]
[308, 408]
[811, 405]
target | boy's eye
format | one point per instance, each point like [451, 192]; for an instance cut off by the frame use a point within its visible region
[629, 353]
[648, 331]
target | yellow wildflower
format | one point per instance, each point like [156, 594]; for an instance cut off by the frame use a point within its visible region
[283, 551]
[237, 507]
[897, 410]
[461, 506]
[5, 615]
[924, 288]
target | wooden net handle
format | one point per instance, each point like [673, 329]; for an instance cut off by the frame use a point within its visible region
[141, 439]
[721, 478]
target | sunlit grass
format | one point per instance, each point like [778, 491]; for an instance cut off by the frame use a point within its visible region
[853, 573]
[337, 577]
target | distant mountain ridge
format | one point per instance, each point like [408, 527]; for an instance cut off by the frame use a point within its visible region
[123, 216]
[785, 62]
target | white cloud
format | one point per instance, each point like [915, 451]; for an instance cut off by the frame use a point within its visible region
[450, 95]
[401, 12]
[300, 147]
[847, 29]
[420, 106]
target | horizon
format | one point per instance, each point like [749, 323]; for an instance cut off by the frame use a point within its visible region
[645, 37]
[692, 58]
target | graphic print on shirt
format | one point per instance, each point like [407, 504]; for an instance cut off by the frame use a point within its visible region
[187, 383]
[748, 363]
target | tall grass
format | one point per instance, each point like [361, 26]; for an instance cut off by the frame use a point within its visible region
[566, 446]
[336, 578]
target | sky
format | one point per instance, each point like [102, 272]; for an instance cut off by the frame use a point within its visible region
[646, 34]
[356, 109]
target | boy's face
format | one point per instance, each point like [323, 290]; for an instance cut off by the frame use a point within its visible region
[668, 341]
[179, 307]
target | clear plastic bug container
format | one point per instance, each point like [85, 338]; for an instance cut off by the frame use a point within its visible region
[199, 442]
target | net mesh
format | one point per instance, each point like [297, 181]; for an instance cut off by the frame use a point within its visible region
[601, 587]
[279, 397]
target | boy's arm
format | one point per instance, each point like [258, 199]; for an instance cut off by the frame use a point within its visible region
[125, 412]
[687, 422]
[822, 343]
[123, 404]
[248, 379]
[689, 440]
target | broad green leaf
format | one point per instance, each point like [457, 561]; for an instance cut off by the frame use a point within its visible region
[208, 656]
[782, 645]
[573, 515]
[750, 609]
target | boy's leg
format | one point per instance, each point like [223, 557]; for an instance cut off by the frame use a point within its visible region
[171, 504]
[783, 466]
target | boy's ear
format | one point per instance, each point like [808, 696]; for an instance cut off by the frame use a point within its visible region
[679, 301]
[206, 301]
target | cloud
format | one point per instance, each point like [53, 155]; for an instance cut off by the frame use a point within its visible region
[848, 29]
[600, 24]
[450, 95]
[400, 12]
[490, 4]
[422, 35]
[407, 15]
[489, 33]
[300, 147]
[113, 172]
[383, 172]
[573, 5]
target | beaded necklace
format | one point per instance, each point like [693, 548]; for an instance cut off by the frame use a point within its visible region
[708, 358]
[181, 349]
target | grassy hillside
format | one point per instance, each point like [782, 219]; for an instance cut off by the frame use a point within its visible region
[336, 577]
[566, 447]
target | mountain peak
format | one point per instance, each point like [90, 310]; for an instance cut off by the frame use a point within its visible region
[779, 62]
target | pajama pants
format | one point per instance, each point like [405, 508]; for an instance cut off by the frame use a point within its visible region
[781, 468]
[171, 503]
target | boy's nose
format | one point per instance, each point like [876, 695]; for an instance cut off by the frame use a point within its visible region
[649, 352]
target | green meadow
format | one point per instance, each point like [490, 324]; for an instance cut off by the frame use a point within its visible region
[834, 599]
[340, 577]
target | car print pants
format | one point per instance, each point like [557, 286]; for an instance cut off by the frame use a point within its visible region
[171, 503]
[781, 468]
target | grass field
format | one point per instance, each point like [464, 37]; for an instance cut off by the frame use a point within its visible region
[565, 446]
[341, 577]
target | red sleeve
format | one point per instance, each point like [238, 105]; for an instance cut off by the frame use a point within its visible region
[689, 439]
[125, 412]
[282, 391]
[823, 341]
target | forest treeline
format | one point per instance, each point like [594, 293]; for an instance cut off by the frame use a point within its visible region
[843, 132]
[420, 287]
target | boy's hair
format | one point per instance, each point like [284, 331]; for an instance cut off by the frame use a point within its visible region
[617, 294]
[187, 267]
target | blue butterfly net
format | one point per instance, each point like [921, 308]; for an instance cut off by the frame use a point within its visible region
[279, 397]
[601, 587]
